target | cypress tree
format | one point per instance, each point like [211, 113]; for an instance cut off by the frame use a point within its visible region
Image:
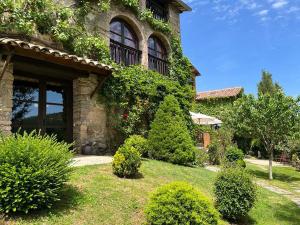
[169, 139]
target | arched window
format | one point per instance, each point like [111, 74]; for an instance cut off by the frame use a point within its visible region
[123, 43]
[157, 55]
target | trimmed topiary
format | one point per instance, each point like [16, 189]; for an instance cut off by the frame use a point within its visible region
[235, 193]
[169, 139]
[126, 161]
[139, 143]
[33, 170]
[180, 203]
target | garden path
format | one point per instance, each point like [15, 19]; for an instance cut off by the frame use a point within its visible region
[82, 160]
[271, 188]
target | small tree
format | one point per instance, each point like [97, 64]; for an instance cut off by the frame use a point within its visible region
[266, 85]
[269, 118]
[169, 139]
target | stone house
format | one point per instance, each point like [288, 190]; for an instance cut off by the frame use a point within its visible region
[43, 88]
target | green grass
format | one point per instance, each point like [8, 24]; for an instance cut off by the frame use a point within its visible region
[96, 196]
[287, 178]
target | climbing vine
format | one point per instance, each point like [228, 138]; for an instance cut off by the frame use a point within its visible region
[132, 94]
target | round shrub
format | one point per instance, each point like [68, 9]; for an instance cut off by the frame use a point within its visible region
[139, 143]
[126, 161]
[235, 193]
[179, 203]
[33, 170]
[234, 154]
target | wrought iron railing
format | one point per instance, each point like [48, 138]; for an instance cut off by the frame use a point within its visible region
[159, 10]
[159, 65]
[123, 54]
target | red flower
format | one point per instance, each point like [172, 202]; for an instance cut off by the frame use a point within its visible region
[125, 116]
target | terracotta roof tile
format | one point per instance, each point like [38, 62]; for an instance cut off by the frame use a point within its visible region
[222, 93]
[16, 43]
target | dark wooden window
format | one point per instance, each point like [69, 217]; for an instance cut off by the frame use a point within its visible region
[158, 8]
[157, 56]
[44, 106]
[123, 44]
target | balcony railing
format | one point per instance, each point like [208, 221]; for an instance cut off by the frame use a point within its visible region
[159, 10]
[123, 54]
[159, 65]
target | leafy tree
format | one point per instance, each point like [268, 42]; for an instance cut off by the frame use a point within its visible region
[169, 139]
[266, 85]
[273, 119]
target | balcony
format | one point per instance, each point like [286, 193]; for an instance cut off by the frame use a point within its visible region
[123, 54]
[159, 65]
[158, 8]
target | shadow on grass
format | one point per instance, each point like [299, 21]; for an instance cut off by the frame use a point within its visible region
[69, 200]
[287, 213]
[277, 176]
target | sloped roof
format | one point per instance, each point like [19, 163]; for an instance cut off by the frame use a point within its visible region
[46, 53]
[222, 93]
[183, 7]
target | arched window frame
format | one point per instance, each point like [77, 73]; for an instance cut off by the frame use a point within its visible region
[157, 56]
[122, 52]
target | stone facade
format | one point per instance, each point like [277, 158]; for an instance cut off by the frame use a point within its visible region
[89, 116]
[90, 131]
[6, 103]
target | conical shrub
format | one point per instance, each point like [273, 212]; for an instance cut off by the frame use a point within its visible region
[169, 139]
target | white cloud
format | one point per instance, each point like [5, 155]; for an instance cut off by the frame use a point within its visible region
[278, 4]
[263, 12]
[231, 10]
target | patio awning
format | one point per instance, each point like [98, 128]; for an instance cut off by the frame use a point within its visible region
[35, 51]
[202, 119]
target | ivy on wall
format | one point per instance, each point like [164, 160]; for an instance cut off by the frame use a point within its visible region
[132, 93]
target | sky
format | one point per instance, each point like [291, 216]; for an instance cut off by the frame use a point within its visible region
[231, 41]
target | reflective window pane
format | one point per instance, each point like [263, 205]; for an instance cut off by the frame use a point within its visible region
[25, 92]
[116, 27]
[54, 115]
[127, 33]
[25, 114]
[54, 95]
[130, 43]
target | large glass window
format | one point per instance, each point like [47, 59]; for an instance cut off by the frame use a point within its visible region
[157, 55]
[42, 106]
[123, 43]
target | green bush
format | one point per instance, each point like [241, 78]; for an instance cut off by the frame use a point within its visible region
[33, 170]
[296, 161]
[179, 203]
[234, 154]
[139, 143]
[201, 158]
[214, 153]
[235, 193]
[169, 139]
[126, 161]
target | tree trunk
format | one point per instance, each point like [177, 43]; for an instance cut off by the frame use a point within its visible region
[270, 165]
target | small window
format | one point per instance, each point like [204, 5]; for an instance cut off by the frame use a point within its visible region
[123, 43]
[158, 8]
[157, 56]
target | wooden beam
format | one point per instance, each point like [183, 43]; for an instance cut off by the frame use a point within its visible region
[8, 59]
[100, 83]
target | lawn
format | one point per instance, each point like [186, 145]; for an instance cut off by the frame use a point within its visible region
[287, 178]
[95, 196]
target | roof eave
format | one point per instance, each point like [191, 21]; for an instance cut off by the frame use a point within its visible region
[183, 7]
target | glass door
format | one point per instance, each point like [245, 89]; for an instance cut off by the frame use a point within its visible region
[43, 106]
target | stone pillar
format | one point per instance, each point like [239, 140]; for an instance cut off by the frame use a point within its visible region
[89, 129]
[6, 94]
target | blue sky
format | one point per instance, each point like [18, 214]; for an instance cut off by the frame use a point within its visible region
[232, 41]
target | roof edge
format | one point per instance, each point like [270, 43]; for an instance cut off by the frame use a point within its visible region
[182, 6]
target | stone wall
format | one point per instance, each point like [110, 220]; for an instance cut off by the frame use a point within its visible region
[6, 93]
[89, 129]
